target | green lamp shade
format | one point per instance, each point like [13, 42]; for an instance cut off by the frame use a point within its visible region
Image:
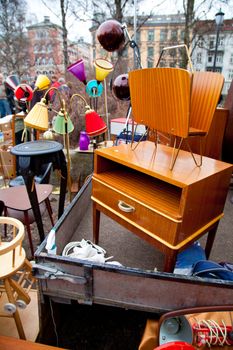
[61, 126]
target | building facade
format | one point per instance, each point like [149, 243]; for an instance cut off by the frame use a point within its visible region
[205, 49]
[46, 50]
[162, 31]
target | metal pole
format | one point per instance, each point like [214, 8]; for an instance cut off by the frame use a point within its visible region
[216, 48]
[135, 31]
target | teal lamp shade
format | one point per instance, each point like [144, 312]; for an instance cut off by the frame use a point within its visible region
[61, 126]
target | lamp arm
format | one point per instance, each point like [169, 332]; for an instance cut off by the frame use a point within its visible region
[82, 98]
[78, 95]
[59, 95]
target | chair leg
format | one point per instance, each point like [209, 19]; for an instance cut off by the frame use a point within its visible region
[175, 152]
[50, 211]
[27, 224]
[5, 225]
[190, 150]
[16, 313]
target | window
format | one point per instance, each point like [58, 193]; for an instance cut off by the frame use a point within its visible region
[163, 34]
[50, 61]
[221, 41]
[199, 57]
[150, 56]
[150, 52]
[151, 35]
[231, 58]
[219, 59]
[174, 34]
[230, 74]
[38, 61]
[210, 59]
[182, 35]
[211, 43]
[43, 61]
[150, 64]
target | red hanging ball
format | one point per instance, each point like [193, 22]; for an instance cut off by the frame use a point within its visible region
[111, 35]
[120, 87]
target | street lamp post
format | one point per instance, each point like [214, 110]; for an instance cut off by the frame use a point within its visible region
[219, 17]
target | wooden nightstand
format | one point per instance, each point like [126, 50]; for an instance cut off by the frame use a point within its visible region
[169, 209]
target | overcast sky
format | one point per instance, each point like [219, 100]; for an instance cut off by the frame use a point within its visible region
[76, 29]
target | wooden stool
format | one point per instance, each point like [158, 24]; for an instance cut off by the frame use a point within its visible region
[15, 272]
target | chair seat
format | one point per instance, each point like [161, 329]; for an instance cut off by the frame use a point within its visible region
[196, 132]
[19, 214]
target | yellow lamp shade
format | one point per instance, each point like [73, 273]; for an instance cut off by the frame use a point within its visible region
[42, 82]
[37, 118]
[59, 125]
[102, 68]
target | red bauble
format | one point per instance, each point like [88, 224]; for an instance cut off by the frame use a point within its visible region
[111, 35]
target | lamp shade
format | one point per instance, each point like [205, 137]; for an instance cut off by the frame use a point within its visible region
[120, 87]
[42, 82]
[175, 345]
[111, 35]
[94, 123]
[102, 69]
[94, 89]
[24, 92]
[37, 118]
[12, 81]
[61, 125]
[78, 70]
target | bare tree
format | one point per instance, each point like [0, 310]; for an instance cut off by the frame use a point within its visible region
[13, 40]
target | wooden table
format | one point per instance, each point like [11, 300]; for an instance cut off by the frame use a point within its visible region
[169, 209]
[8, 343]
[31, 155]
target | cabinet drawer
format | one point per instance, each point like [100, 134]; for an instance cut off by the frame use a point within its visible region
[154, 223]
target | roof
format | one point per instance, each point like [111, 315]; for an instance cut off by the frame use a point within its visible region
[46, 23]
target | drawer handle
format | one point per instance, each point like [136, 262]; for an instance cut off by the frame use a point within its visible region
[125, 207]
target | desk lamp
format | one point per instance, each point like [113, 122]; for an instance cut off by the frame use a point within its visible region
[94, 123]
[38, 118]
[111, 35]
[94, 88]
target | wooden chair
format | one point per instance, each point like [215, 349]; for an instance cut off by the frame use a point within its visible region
[17, 205]
[176, 102]
[15, 273]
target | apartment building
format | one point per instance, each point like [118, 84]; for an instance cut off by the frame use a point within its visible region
[205, 49]
[161, 31]
[46, 49]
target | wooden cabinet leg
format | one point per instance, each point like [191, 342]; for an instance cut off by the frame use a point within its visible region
[96, 224]
[170, 261]
[210, 240]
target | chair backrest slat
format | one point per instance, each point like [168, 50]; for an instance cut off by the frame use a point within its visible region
[206, 91]
[160, 99]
